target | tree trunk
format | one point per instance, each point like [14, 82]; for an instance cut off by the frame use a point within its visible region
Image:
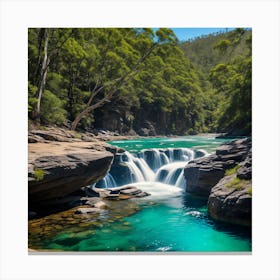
[119, 82]
[43, 76]
[89, 109]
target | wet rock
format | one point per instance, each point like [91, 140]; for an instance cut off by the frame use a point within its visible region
[92, 192]
[200, 180]
[204, 173]
[199, 153]
[119, 193]
[121, 173]
[142, 194]
[245, 171]
[100, 204]
[231, 204]
[87, 210]
[130, 191]
[112, 196]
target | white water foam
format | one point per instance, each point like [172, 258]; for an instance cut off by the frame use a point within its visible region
[157, 190]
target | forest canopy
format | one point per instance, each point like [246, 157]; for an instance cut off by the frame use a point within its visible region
[137, 80]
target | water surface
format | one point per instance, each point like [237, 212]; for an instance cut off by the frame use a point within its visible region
[170, 220]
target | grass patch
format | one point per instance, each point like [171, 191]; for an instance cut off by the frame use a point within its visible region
[232, 170]
[39, 174]
[236, 183]
[250, 191]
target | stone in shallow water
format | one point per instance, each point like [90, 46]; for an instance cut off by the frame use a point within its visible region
[100, 205]
[87, 210]
[131, 191]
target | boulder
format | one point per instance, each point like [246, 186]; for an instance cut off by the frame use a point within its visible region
[58, 175]
[200, 179]
[202, 174]
[231, 204]
[121, 172]
[123, 192]
[245, 171]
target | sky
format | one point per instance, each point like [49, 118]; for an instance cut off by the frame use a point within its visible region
[184, 34]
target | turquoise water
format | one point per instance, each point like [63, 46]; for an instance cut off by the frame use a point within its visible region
[208, 143]
[170, 220]
[176, 225]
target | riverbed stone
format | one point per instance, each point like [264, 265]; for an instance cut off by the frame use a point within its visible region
[87, 210]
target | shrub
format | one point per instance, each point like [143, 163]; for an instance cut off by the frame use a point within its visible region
[39, 174]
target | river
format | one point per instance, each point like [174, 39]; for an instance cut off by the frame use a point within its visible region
[169, 220]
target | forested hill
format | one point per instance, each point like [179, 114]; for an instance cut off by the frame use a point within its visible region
[203, 51]
[224, 61]
[134, 80]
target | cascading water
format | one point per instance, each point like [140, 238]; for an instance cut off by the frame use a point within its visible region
[107, 182]
[150, 165]
[139, 169]
[172, 174]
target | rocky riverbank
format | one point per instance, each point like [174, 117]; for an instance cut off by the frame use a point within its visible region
[225, 178]
[62, 163]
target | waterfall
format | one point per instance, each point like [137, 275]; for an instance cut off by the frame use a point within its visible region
[150, 165]
[172, 174]
[107, 182]
[156, 158]
[139, 169]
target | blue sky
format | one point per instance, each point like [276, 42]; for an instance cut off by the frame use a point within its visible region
[184, 34]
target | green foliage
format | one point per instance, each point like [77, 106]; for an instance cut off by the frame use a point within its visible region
[229, 72]
[39, 174]
[32, 100]
[222, 46]
[232, 170]
[179, 87]
[52, 109]
[236, 183]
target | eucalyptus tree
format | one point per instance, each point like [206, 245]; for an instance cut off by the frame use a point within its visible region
[44, 46]
[122, 53]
